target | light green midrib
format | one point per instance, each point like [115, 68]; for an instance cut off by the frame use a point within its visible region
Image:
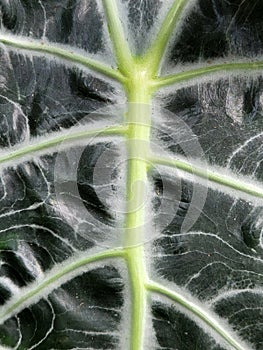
[196, 310]
[50, 145]
[45, 284]
[135, 262]
[211, 176]
[137, 142]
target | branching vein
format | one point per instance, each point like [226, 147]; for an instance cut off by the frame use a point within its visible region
[196, 310]
[59, 51]
[227, 180]
[157, 49]
[206, 70]
[49, 144]
[53, 279]
[121, 47]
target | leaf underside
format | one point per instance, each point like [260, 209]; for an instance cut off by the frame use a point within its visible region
[67, 281]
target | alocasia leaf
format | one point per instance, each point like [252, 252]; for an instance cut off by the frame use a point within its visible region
[131, 188]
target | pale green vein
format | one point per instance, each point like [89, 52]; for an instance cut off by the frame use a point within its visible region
[65, 53]
[157, 49]
[121, 47]
[53, 279]
[225, 179]
[206, 70]
[197, 311]
[41, 146]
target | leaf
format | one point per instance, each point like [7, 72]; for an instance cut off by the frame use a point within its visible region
[131, 175]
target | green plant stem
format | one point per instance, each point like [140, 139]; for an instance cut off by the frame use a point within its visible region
[196, 310]
[64, 53]
[51, 143]
[235, 183]
[53, 277]
[191, 74]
